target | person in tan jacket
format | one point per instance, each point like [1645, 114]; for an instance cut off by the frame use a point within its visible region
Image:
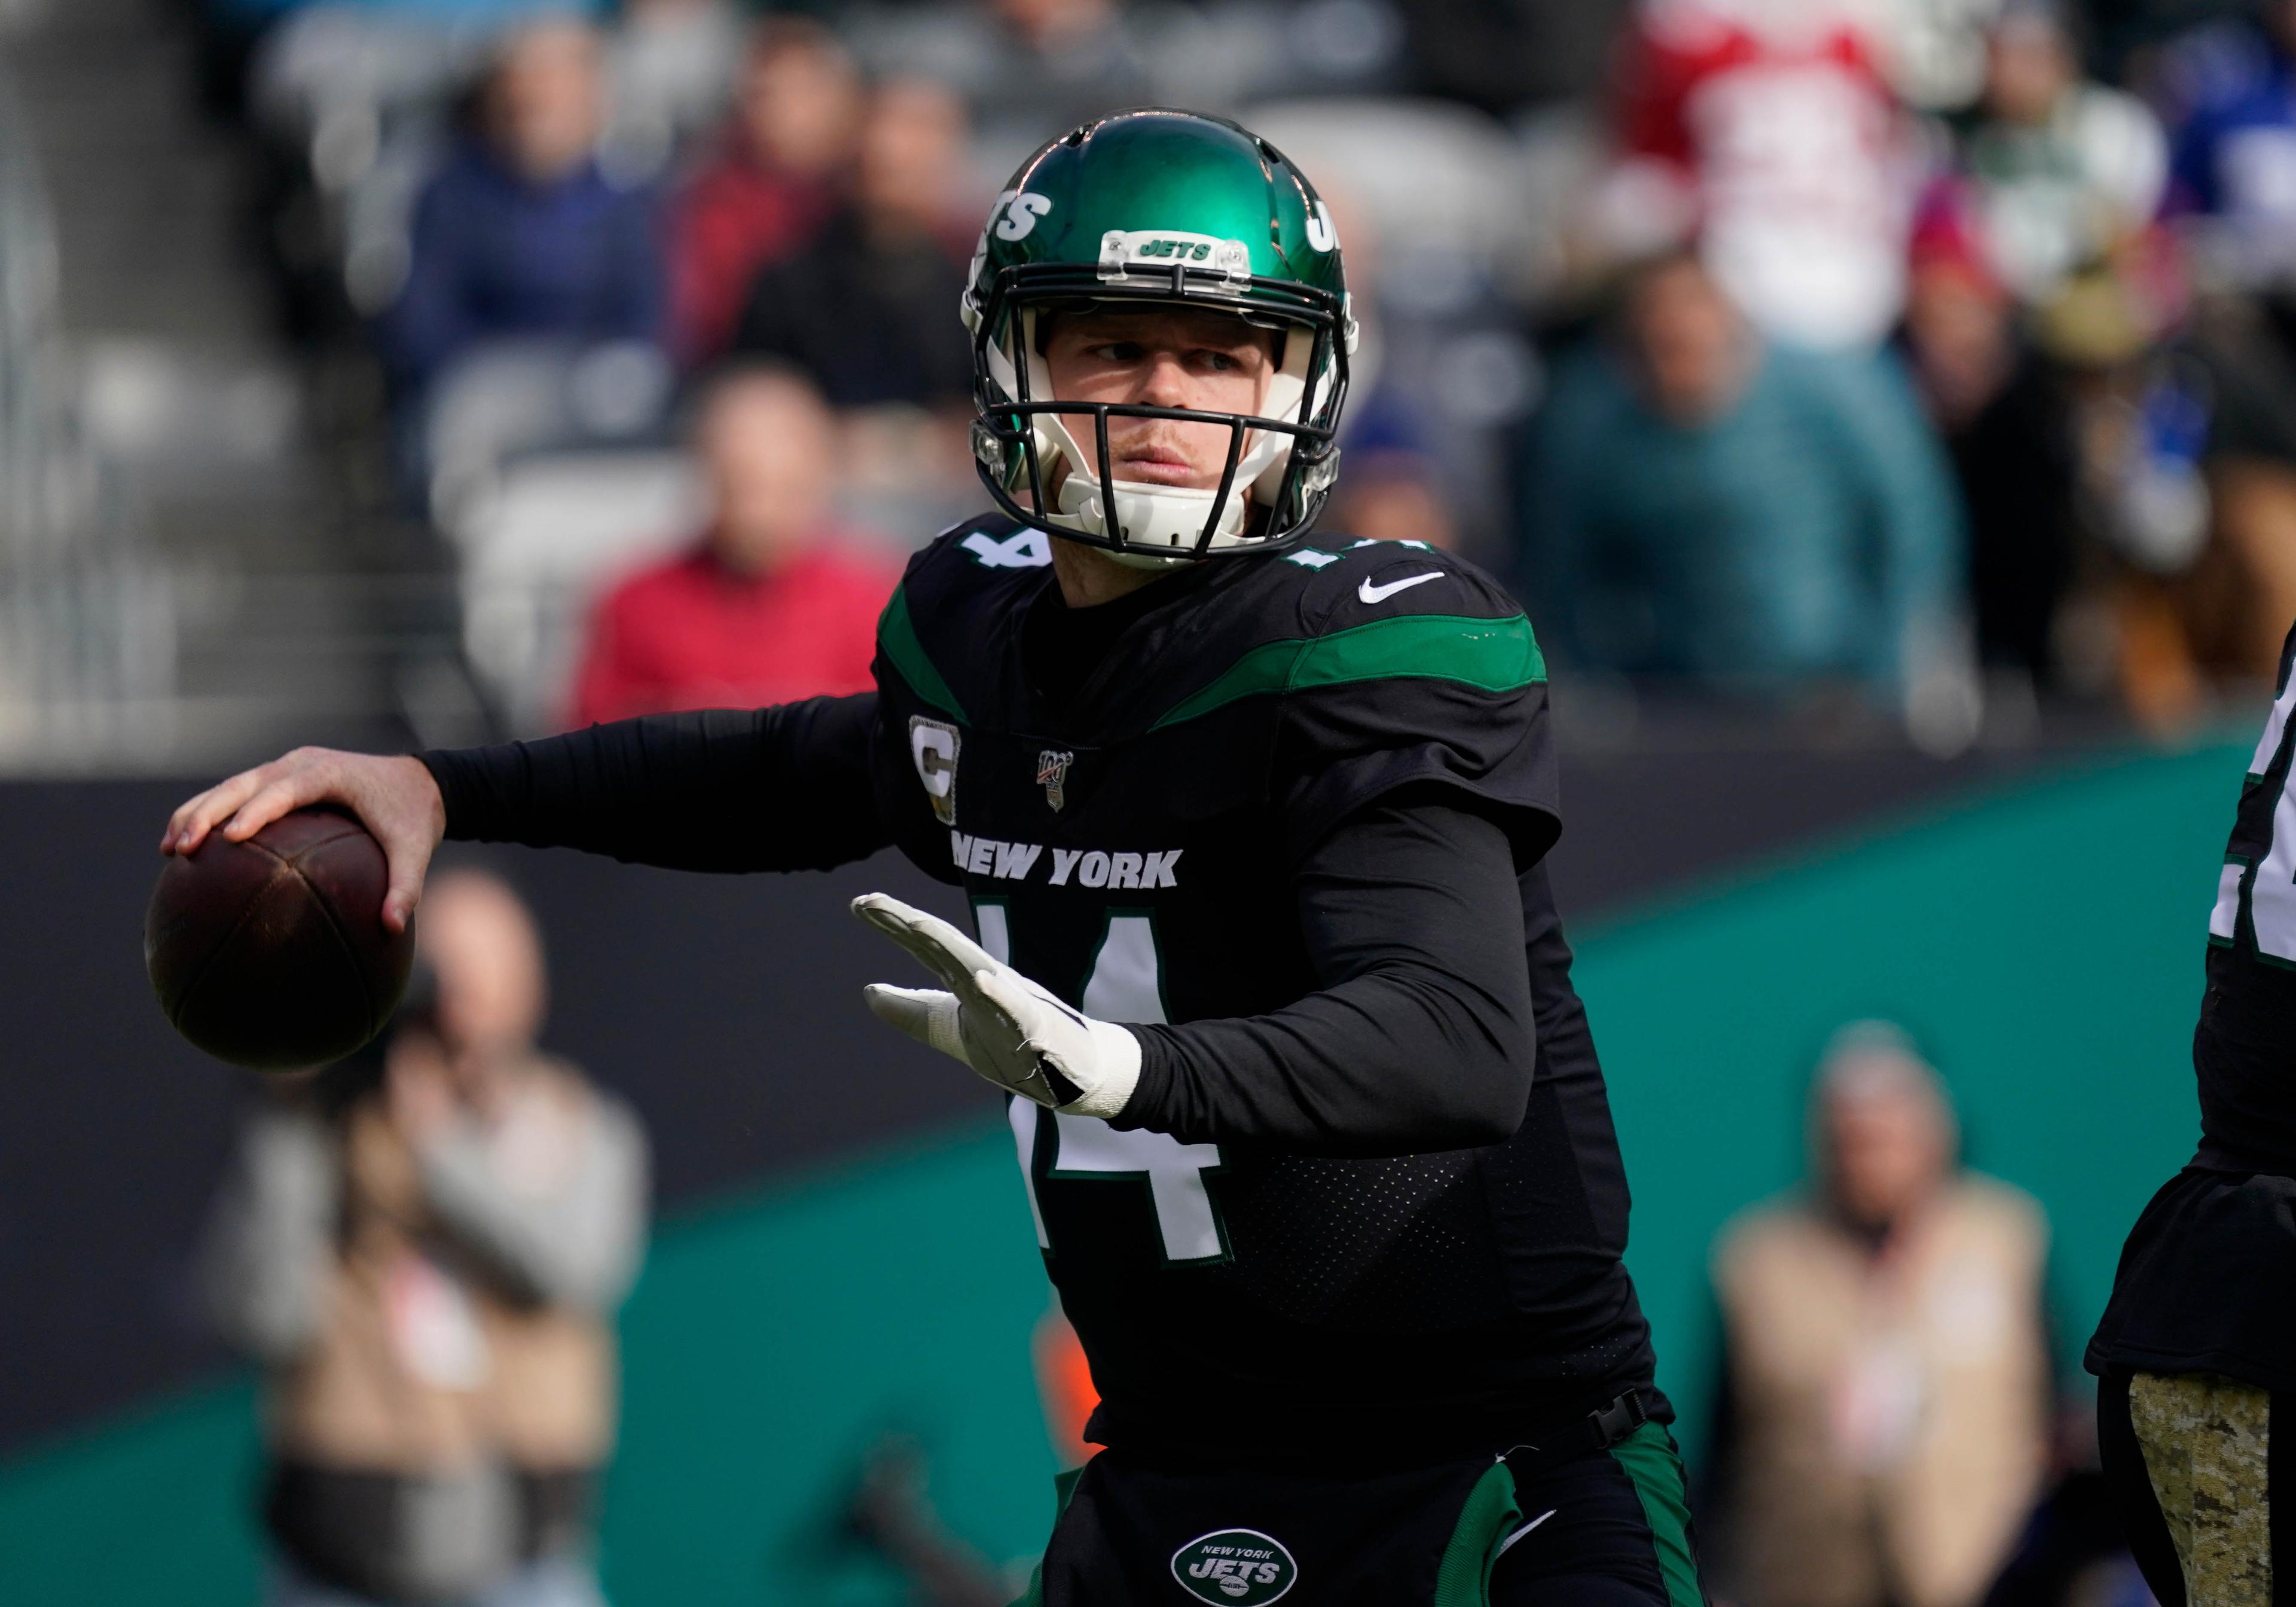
[1882, 1425]
[427, 1263]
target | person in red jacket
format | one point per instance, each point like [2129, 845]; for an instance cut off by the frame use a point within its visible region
[779, 170]
[775, 602]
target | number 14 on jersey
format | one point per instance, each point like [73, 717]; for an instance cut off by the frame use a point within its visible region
[1125, 986]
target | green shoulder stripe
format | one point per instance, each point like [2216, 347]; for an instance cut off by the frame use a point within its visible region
[898, 639]
[1497, 655]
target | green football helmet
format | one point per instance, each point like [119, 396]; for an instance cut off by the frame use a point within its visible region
[1159, 206]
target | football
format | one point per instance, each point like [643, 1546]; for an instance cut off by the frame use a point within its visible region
[272, 953]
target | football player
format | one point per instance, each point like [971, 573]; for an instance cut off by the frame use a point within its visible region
[2197, 1348]
[1251, 820]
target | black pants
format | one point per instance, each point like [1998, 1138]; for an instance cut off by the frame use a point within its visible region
[2194, 1462]
[1611, 1529]
[1603, 1528]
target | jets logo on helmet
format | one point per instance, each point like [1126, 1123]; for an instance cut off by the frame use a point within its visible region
[1020, 211]
[1152, 209]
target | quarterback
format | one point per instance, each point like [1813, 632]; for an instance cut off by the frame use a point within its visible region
[1250, 817]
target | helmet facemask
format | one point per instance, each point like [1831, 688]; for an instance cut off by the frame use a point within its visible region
[1280, 461]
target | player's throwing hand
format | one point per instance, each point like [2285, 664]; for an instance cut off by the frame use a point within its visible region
[395, 797]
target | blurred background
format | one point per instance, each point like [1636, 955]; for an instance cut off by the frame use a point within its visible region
[1886, 410]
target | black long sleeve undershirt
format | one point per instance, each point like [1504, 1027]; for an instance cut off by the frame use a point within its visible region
[779, 789]
[1420, 1036]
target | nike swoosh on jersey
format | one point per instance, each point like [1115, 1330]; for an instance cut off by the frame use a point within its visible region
[1525, 1529]
[1369, 593]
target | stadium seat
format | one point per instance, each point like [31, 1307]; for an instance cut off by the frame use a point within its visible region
[539, 542]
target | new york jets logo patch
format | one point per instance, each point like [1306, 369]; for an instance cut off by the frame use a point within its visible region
[1235, 1566]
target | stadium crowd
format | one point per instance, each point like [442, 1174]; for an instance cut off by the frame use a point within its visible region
[1817, 355]
[1865, 365]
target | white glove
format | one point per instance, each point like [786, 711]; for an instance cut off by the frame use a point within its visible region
[997, 1021]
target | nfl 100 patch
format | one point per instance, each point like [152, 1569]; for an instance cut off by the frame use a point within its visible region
[1053, 775]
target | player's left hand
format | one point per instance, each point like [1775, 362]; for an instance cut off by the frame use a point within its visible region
[998, 1021]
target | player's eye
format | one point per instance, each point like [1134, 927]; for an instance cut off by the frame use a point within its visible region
[1218, 362]
[1120, 351]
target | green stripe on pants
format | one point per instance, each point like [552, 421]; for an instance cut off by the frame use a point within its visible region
[1651, 1459]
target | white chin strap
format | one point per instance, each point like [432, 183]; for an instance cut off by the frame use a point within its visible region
[1150, 515]
[1164, 516]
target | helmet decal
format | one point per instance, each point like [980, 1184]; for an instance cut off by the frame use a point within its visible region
[1123, 249]
[1021, 209]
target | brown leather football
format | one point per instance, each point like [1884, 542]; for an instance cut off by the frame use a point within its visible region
[272, 953]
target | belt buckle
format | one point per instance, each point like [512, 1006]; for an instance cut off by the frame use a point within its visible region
[1618, 1420]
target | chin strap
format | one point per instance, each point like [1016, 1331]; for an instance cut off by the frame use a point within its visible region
[1165, 516]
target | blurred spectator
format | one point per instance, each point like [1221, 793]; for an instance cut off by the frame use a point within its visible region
[2078, 439]
[865, 307]
[1705, 503]
[1060, 62]
[2007, 422]
[231, 33]
[2234, 169]
[1397, 486]
[2041, 288]
[2054, 174]
[775, 176]
[1393, 497]
[1935, 50]
[1884, 1411]
[2205, 562]
[1028, 69]
[1765, 130]
[1393, 488]
[1501, 57]
[2189, 622]
[522, 234]
[427, 1265]
[772, 605]
[671, 64]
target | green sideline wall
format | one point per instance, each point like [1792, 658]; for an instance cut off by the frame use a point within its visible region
[2045, 944]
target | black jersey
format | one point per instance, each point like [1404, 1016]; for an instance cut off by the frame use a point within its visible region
[1130, 842]
[2208, 1279]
